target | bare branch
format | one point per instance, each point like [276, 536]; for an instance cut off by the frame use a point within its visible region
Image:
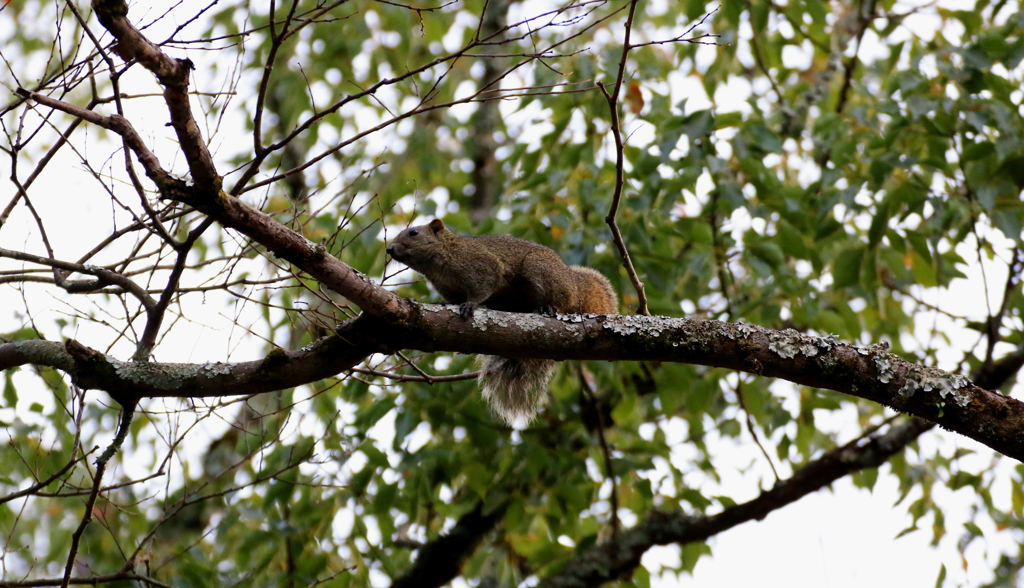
[106, 277]
[613, 106]
[127, 410]
[173, 74]
[115, 123]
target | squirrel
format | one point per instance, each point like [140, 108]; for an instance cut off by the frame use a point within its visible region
[509, 274]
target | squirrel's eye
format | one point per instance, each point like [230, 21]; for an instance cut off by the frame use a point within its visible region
[413, 232]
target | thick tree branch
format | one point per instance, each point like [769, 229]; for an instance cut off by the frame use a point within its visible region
[440, 561]
[614, 559]
[127, 381]
[872, 373]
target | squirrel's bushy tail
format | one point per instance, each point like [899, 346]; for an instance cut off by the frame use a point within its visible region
[515, 387]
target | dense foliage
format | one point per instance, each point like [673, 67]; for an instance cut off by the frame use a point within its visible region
[830, 168]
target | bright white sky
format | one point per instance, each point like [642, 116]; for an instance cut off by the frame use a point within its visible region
[838, 539]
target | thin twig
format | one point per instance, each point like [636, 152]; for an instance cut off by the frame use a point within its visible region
[423, 378]
[613, 499]
[34, 488]
[127, 411]
[752, 427]
[613, 106]
[104, 276]
[154, 315]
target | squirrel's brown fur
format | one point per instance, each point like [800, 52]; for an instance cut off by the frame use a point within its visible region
[509, 274]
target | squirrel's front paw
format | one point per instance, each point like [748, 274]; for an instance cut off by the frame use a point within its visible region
[466, 310]
[548, 310]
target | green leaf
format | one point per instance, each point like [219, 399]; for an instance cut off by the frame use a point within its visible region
[879, 224]
[847, 267]
[866, 478]
[374, 413]
[374, 455]
[727, 120]
[10, 392]
[976, 151]
[478, 478]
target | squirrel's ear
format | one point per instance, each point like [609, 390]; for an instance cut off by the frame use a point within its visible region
[436, 225]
